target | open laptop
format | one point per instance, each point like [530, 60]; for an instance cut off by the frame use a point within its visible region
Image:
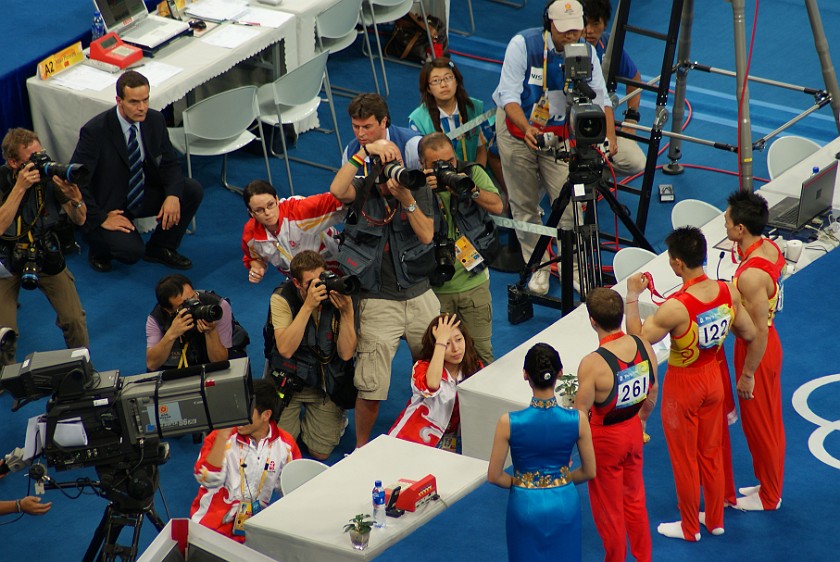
[134, 24]
[817, 193]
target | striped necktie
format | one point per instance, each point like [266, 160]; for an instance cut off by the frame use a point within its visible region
[135, 162]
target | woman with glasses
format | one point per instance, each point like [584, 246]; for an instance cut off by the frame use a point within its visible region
[280, 228]
[446, 106]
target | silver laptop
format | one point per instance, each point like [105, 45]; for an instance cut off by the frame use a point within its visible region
[816, 197]
[134, 24]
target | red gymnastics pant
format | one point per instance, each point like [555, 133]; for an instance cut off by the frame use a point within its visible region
[692, 399]
[728, 406]
[617, 494]
[762, 419]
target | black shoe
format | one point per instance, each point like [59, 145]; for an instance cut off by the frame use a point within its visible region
[167, 257]
[102, 265]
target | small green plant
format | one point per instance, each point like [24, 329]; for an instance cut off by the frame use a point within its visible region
[567, 385]
[361, 523]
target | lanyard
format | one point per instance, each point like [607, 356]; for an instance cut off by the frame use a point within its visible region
[545, 62]
[611, 337]
[744, 255]
[243, 480]
[652, 288]
[690, 282]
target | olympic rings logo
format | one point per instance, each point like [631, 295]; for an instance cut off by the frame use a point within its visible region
[816, 442]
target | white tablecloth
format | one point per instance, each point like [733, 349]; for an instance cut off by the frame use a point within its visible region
[308, 523]
[58, 113]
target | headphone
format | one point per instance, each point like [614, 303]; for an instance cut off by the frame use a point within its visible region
[546, 21]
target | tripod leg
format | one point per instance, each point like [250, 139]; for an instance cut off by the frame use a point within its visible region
[98, 537]
[557, 208]
[155, 519]
[625, 218]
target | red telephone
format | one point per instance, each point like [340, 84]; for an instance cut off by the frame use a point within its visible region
[110, 49]
[413, 494]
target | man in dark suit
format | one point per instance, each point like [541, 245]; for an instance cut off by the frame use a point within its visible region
[134, 173]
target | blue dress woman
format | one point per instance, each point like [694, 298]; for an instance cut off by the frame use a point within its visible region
[543, 513]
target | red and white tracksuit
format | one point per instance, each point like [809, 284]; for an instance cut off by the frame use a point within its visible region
[249, 470]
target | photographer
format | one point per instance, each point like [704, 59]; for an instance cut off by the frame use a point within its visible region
[466, 195]
[30, 254]
[387, 243]
[532, 100]
[187, 327]
[312, 337]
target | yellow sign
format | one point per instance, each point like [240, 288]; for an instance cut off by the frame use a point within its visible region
[61, 60]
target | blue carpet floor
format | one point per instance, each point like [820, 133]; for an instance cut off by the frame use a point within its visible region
[117, 303]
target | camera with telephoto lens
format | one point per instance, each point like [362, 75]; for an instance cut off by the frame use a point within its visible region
[199, 311]
[31, 259]
[458, 183]
[411, 179]
[74, 173]
[347, 285]
[444, 261]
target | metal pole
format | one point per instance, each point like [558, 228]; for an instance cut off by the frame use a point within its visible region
[742, 97]
[825, 58]
[678, 109]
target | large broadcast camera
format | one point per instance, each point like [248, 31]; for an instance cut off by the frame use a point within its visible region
[116, 424]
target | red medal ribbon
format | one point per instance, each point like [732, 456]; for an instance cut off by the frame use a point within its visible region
[610, 337]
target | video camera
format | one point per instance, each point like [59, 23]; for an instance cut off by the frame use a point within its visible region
[103, 420]
[346, 285]
[411, 179]
[74, 173]
[447, 176]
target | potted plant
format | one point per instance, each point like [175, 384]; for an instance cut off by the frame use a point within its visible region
[359, 528]
[567, 387]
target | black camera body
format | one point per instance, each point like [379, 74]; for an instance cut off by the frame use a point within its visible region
[411, 179]
[444, 261]
[458, 183]
[347, 285]
[201, 311]
[31, 259]
[74, 173]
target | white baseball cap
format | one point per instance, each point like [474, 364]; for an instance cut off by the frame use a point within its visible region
[567, 15]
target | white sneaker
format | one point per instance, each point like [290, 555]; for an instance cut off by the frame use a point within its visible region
[539, 281]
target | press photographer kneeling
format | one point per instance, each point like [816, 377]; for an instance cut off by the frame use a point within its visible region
[310, 338]
[189, 327]
[467, 241]
[34, 191]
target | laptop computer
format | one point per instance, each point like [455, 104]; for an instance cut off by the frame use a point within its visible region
[134, 24]
[816, 196]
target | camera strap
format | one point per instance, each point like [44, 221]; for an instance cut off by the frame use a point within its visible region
[369, 187]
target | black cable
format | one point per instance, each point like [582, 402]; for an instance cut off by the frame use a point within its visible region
[720, 260]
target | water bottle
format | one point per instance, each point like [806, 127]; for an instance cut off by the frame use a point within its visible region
[378, 504]
[97, 27]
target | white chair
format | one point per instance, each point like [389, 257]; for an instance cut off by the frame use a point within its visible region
[628, 260]
[219, 125]
[787, 151]
[298, 472]
[335, 30]
[386, 11]
[693, 212]
[294, 97]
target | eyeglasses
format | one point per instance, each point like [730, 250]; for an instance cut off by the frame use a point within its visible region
[443, 80]
[263, 211]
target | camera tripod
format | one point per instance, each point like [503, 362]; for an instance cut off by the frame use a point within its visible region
[584, 185]
[104, 545]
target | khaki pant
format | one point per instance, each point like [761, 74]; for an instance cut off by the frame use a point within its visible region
[475, 310]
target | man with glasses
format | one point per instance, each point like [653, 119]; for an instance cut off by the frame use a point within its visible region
[279, 229]
[135, 173]
[531, 100]
[175, 338]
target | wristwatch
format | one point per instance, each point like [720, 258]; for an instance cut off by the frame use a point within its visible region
[411, 208]
[476, 193]
[78, 204]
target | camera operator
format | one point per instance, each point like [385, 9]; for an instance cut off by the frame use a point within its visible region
[387, 243]
[30, 254]
[466, 195]
[531, 100]
[187, 327]
[312, 334]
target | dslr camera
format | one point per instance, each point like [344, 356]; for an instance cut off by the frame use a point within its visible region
[411, 179]
[448, 176]
[30, 259]
[200, 311]
[74, 173]
[444, 261]
[347, 285]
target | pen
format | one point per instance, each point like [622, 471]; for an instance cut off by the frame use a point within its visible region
[248, 23]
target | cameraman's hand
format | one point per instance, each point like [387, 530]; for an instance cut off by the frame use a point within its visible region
[27, 177]
[431, 179]
[531, 137]
[203, 326]
[344, 303]
[117, 222]
[170, 212]
[70, 190]
[402, 193]
[32, 505]
[385, 149]
[316, 294]
[181, 324]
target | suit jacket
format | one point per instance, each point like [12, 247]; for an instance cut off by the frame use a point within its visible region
[102, 148]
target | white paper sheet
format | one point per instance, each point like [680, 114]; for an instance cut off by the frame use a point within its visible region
[230, 36]
[84, 77]
[265, 17]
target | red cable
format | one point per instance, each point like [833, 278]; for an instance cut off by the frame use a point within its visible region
[476, 57]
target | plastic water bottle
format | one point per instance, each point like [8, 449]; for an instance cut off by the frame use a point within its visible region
[378, 504]
[97, 26]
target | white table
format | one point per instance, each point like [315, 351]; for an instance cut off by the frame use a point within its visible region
[58, 113]
[500, 388]
[308, 523]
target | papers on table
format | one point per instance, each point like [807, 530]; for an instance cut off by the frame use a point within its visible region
[230, 36]
[265, 17]
[83, 77]
[216, 10]
[158, 72]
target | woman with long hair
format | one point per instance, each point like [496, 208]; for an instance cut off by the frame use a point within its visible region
[543, 513]
[445, 105]
[447, 358]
